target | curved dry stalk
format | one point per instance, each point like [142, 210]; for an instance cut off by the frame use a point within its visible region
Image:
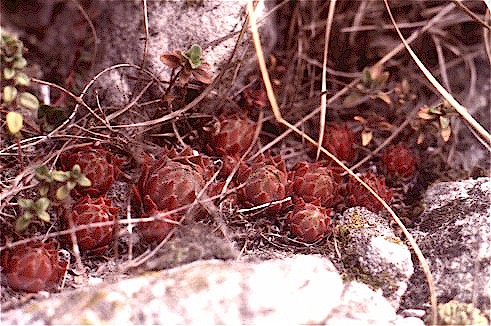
[279, 118]
[450, 99]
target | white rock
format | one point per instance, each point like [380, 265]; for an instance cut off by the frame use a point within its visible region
[298, 290]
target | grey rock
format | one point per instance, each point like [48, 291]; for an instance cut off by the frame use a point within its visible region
[173, 25]
[298, 290]
[371, 252]
[454, 235]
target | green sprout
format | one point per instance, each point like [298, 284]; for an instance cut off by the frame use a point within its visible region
[39, 207]
[194, 55]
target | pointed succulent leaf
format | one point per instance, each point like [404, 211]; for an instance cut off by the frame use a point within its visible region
[436, 109]
[425, 113]
[366, 77]
[28, 101]
[194, 55]
[444, 122]
[202, 75]
[366, 137]
[21, 79]
[445, 133]
[14, 122]
[380, 80]
[71, 184]
[171, 60]
[76, 171]
[9, 93]
[42, 173]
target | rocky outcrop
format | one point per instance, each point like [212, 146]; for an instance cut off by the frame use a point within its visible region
[298, 290]
[372, 253]
[454, 235]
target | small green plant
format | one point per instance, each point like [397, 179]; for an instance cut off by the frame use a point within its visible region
[372, 83]
[434, 119]
[14, 82]
[190, 63]
[39, 207]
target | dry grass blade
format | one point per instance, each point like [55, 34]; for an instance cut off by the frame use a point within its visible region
[279, 118]
[450, 99]
[322, 122]
[147, 33]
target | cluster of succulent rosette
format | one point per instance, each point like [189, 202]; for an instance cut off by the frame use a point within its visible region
[173, 182]
[36, 265]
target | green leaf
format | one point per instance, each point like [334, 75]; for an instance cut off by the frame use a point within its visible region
[22, 222]
[8, 59]
[43, 190]
[62, 192]
[76, 170]
[42, 173]
[19, 63]
[444, 122]
[70, 185]
[60, 176]
[8, 73]
[43, 216]
[14, 122]
[194, 55]
[41, 204]
[21, 79]
[84, 181]
[25, 203]
[28, 101]
[366, 77]
[53, 116]
[9, 94]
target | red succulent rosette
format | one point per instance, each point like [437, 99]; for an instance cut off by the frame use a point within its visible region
[171, 182]
[35, 266]
[340, 140]
[309, 222]
[159, 228]
[99, 165]
[357, 195]
[231, 134]
[400, 161]
[86, 211]
[315, 181]
[264, 181]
